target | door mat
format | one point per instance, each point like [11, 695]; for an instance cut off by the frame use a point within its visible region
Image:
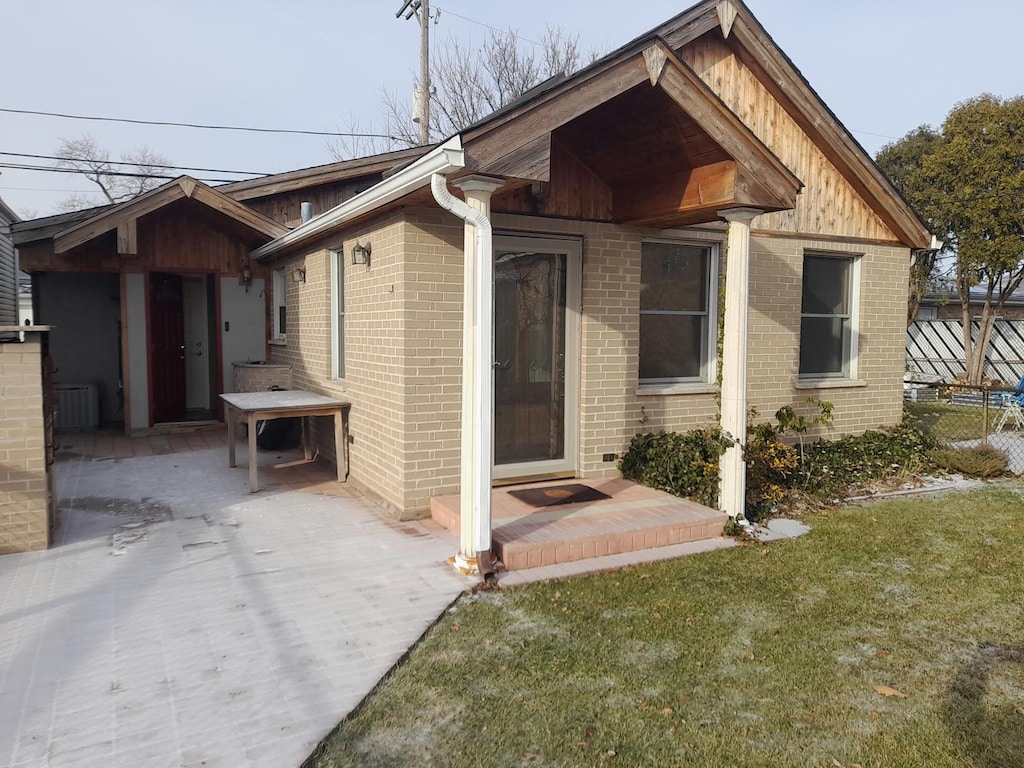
[553, 495]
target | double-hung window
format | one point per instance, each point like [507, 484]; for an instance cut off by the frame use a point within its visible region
[338, 307]
[828, 317]
[677, 312]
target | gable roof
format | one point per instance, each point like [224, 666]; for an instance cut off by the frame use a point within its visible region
[7, 215]
[759, 52]
[184, 187]
[515, 141]
[321, 174]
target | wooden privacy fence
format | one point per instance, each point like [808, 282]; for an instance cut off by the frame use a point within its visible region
[937, 347]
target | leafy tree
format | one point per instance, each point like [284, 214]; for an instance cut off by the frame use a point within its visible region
[137, 172]
[900, 160]
[968, 183]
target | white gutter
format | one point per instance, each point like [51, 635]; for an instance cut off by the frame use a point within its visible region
[444, 158]
[482, 450]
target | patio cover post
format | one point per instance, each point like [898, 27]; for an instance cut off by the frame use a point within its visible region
[477, 374]
[734, 359]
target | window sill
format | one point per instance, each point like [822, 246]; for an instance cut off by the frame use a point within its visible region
[278, 342]
[830, 383]
[689, 388]
[336, 385]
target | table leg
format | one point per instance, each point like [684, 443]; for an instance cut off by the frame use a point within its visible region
[232, 434]
[253, 482]
[307, 449]
[340, 445]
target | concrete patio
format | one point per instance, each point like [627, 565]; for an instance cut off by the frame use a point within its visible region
[181, 621]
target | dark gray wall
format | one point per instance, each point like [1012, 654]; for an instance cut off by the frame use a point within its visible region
[85, 311]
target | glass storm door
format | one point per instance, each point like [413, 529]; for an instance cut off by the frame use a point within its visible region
[536, 356]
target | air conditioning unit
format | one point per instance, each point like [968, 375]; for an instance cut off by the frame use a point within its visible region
[78, 407]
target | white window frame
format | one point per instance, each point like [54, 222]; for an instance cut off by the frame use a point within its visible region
[338, 336]
[852, 343]
[278, 294]
[709, 349]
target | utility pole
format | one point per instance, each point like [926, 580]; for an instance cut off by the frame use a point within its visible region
[421, 97]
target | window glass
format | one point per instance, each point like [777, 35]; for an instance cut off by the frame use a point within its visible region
[675, 318]
[826, 323]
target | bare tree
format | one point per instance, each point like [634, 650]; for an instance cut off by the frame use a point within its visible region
[471, 83]
[136, 172]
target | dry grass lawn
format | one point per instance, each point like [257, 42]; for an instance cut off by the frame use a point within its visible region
[892, 635]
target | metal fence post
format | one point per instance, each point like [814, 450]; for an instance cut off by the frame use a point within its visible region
[984, 417]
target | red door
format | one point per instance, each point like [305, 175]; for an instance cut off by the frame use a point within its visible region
[167, 347]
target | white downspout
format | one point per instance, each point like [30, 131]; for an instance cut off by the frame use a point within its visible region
[478, 369]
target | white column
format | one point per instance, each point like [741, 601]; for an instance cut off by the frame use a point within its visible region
[477, 376]
[734, 359]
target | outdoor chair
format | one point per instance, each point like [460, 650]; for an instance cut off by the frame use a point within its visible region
[1013, 408]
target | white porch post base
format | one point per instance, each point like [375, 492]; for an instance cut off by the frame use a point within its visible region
[734, 360]
[467, 566]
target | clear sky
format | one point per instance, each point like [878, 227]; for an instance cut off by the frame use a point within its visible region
[883, 66]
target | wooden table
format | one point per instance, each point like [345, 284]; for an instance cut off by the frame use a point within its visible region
[277, 404]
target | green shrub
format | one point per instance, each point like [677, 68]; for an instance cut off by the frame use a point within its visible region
[972, 462]
[683, 464]
[771, 471]
[830, 467]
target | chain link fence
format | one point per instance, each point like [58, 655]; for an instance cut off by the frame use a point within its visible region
[966, 416]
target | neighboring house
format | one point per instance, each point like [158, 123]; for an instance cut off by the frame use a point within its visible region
[583, 277]
[605, 195]
[945, 305]
[27, 512]
[8, 268]
[25, 316]
[152, 300]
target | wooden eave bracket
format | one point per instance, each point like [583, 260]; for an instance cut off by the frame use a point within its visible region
[726, 12]
[128, 238]
[188, 185]
[655, 58]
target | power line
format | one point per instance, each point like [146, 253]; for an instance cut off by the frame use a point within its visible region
[173, 124]
[83, 172]
[131, 163]
[42, 189]
[492, 28]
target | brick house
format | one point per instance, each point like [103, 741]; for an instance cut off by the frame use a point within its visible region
[604, 213]
[519, 301]
[945, 305]
[155, 298]
[27, 515]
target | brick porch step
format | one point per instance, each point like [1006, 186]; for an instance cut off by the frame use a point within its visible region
[634, 518]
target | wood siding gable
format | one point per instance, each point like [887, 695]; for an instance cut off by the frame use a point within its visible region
[846, 194]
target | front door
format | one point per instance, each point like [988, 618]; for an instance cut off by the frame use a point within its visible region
[167, 346]
[183, 351]
[536, 351]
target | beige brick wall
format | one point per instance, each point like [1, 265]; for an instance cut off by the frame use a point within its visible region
[404, 334]
[876, 396]
[24, 521]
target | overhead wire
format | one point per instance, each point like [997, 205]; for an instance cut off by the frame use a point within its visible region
[132, 163]
[85, 172]
[174, 124]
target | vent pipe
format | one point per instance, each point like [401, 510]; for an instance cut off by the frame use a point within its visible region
[306, 212]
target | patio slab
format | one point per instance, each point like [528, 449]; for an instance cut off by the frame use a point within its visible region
[182, 621]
